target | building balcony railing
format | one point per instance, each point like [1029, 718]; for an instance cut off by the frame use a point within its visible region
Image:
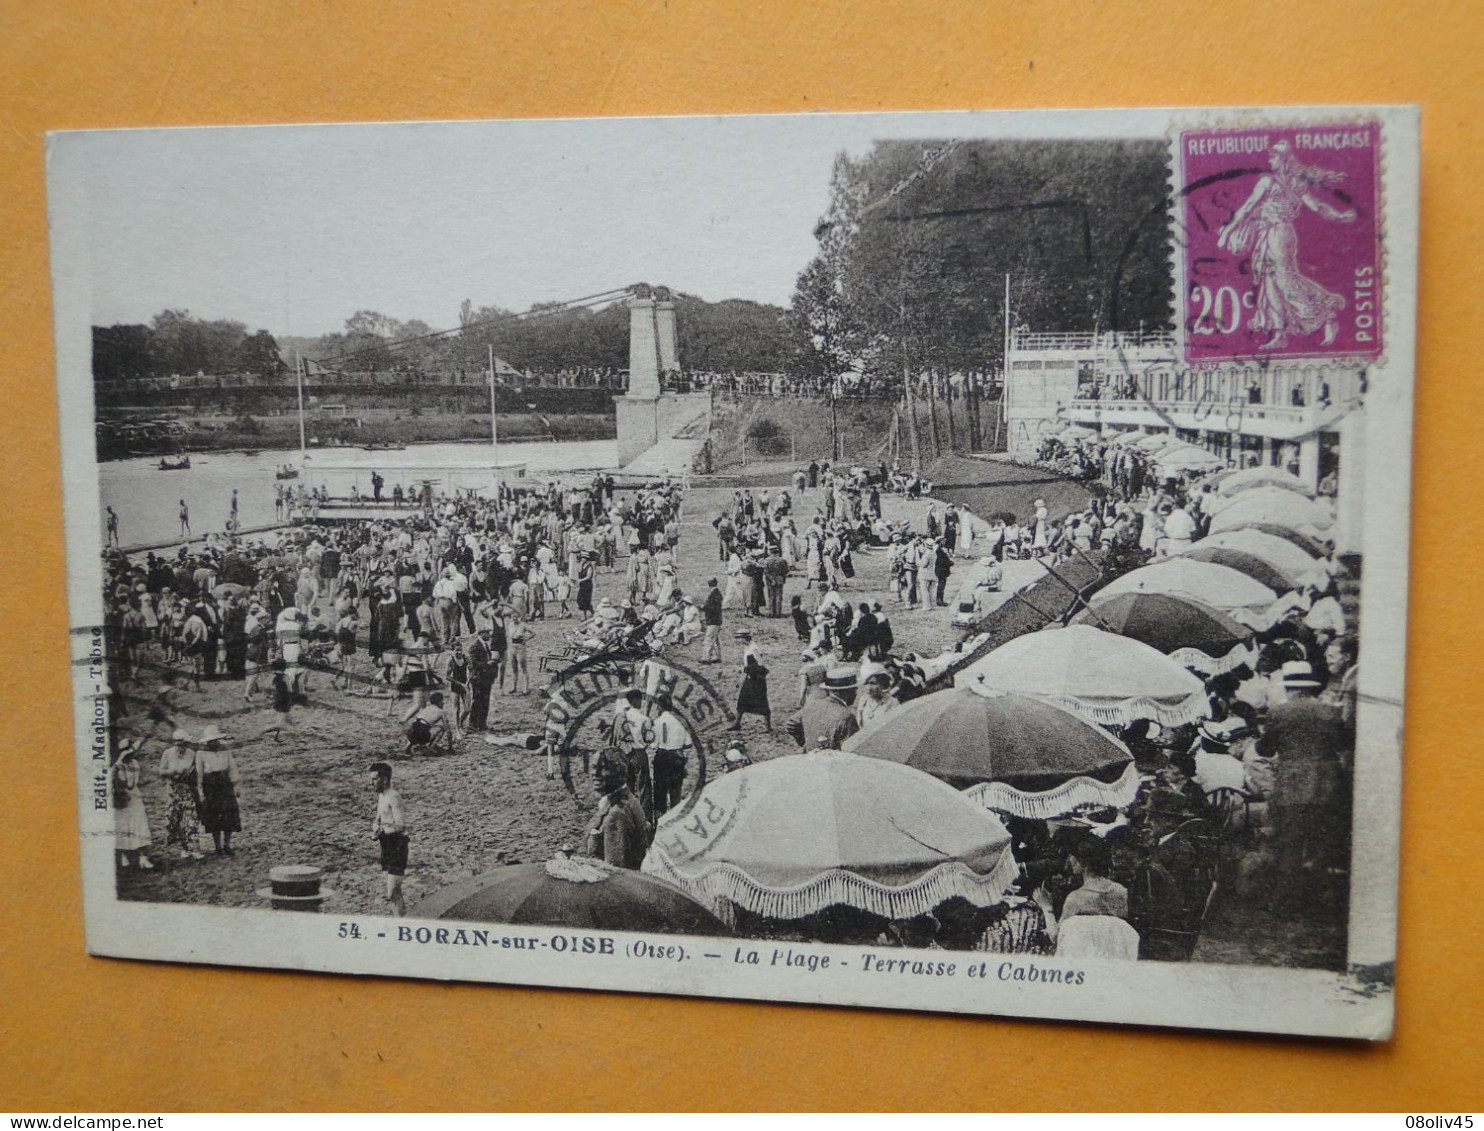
[1279, 422]
[1088, 342]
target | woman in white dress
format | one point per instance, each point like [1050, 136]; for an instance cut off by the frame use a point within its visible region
[788, 543]
[131, 821]
[732, 598]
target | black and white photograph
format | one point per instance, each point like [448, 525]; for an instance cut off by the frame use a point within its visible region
[943, 561]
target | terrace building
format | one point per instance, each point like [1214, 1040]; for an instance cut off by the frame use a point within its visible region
[1306, 416]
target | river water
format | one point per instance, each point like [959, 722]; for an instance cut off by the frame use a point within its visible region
[147, 500]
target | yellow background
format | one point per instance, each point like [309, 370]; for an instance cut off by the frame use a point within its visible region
[94, 1034]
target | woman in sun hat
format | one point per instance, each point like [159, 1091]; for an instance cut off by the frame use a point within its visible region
[178, 772]
[218, 768]
[752, 696]
[131, 821]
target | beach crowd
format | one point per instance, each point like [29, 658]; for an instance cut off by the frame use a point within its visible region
[431, 608]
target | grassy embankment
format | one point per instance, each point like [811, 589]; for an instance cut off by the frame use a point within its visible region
[784, 429]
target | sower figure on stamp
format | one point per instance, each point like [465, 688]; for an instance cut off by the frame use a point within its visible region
[1288, 301]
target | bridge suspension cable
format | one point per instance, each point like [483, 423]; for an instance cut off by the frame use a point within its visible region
[542, 310]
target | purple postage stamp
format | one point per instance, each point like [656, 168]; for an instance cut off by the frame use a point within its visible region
[1281, 250]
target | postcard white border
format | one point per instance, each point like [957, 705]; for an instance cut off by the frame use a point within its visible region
[1212, 996]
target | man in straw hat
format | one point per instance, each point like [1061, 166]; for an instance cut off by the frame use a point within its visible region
[1311, 747]
[826, 720]
[874, 700]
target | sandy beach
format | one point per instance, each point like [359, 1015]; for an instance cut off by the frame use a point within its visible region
[308, 799]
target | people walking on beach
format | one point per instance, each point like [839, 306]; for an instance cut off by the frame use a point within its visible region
[633, 734]
[752, 695]
[113, 527]
[185, 519]
[219, 776]
[711, 613]
[671, 741]
[389, 829]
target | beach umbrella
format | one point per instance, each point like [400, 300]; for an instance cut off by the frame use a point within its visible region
[572, 892]
[1281, 554]
[1272, 506]
[1127, 439]
[1155, 442]
[1187, 457]
[1191, 633]
[1013, 753]
[1075, 433]
[1218, 586]
[1105, 678]
[1250, 477]
[789, 837]
[1307, 541]
[1264, 573]
[228, 589]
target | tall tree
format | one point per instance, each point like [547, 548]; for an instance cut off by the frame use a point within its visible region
[259, 354]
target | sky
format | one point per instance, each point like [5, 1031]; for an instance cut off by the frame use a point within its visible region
[294, 228]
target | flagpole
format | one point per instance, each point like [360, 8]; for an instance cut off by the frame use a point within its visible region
[1002, 417]
[494, 420]
[299, 371]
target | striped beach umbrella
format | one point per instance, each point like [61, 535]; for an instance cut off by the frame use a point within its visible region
[1281, 554]
[1191, 633]
[1218, 586]
[1275, 507]
[1012, 753]
[1250, 477]
[1187, 457]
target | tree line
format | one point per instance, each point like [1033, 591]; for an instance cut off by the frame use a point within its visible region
[734, 335]
[908, 281]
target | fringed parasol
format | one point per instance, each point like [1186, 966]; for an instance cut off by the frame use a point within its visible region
[790, 837]
[1103, 677]
[1013, 753]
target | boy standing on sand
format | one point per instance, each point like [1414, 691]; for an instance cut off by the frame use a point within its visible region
[390, 829]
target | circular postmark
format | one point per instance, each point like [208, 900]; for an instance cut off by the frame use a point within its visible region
[582, 696]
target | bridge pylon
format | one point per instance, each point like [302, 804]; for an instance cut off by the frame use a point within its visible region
[647, 415]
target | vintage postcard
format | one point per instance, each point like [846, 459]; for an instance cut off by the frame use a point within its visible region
[947, 561]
